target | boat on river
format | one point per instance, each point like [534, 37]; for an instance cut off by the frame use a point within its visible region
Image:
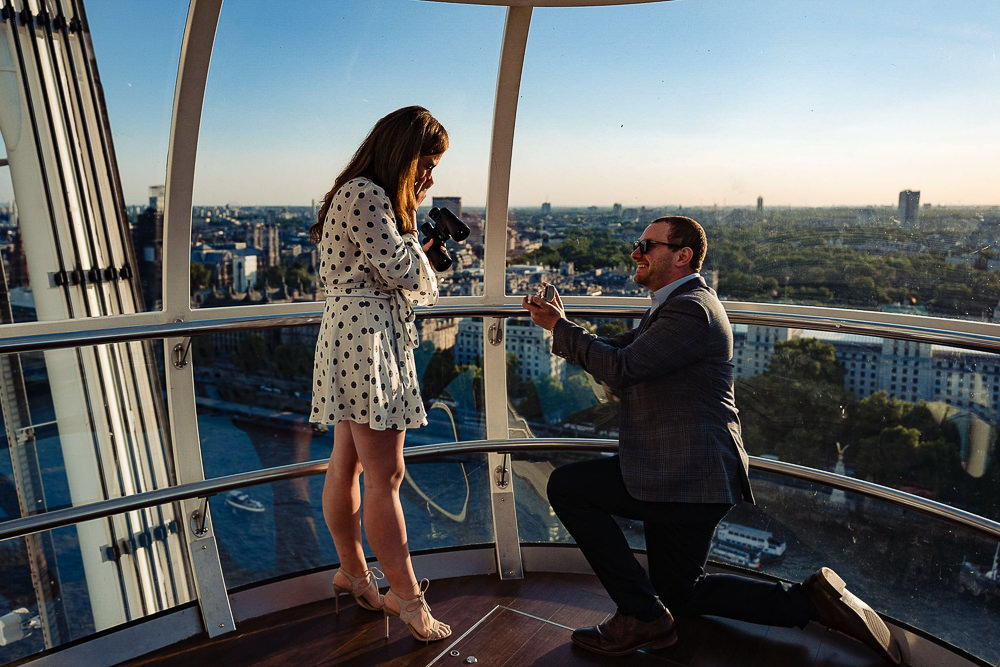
[241, 501]
[751, 539]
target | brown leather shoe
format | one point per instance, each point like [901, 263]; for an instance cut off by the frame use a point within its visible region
[841, 610]
[622, 635]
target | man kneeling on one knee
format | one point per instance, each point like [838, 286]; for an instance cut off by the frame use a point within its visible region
[681, 465]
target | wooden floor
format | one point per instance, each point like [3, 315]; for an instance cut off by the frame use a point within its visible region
[526, 622]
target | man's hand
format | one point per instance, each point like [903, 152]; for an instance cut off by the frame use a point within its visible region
[544, 313]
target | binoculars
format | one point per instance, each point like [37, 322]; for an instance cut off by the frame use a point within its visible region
[447, 226]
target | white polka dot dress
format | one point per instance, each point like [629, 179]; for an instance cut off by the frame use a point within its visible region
[363, 370]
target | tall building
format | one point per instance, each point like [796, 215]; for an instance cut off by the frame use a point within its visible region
[157, 197]
[148, 240]
[272, 247]
[909, 207]
[546, 208]
[531, 344]
[760, 209]
[616, 210]
[752, 350]
[265, 239]
[453, 204]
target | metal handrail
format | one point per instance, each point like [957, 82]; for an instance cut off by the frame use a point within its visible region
[985, 337]
[210, 487]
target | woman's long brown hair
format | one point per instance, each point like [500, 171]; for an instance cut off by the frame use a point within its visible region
[388, 157]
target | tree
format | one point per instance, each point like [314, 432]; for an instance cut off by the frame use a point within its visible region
[200, 276]
[292, 360]
[299, 271]
[612, 328]
[880, 455]
[796, 409]
[251, 353]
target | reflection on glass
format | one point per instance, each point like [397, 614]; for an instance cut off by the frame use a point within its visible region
[278, 529]
[53, 593]
[83, 425]
[253, 404]
[894, 559]
[62, 220]
[913, 416]
[253, 391]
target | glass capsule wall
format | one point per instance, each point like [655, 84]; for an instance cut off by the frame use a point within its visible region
[840, 157]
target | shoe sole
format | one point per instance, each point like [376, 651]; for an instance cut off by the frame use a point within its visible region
[834, 585]
[655, 645]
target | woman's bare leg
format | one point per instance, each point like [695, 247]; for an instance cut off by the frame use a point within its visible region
[342, 506]
[381, 455]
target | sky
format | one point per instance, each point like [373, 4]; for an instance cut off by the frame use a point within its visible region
[689, 102]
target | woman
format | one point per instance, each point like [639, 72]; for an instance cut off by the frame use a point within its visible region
[364, 379]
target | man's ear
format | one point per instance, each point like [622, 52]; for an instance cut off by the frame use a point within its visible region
[684, 256]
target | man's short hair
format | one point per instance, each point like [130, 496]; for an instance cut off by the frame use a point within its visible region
[686, 232]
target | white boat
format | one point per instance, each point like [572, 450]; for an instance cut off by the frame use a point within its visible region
[750, 538]
[241, 501]
[734, 555]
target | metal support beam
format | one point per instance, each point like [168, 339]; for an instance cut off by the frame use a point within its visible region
[189, 96]
[515, 39]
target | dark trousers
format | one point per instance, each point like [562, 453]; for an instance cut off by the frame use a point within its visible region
[588, 495]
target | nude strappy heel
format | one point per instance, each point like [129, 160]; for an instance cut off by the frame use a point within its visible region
[360, 586]
[410, 617]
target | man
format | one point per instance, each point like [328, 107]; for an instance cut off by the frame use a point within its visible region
[680, 466]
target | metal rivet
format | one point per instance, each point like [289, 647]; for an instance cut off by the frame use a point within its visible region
[454, 654]
[470, 660]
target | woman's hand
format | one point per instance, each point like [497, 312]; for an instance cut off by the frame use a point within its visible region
[420, 192]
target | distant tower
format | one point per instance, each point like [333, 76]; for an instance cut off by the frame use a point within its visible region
[760, 209]
[546, 208]
[272, 247]
[257, 236]
[616, 210]
[909, 207]
[453, 204]
[149, 244]
[157, 197]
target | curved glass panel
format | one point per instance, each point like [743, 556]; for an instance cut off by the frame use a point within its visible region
[803, 142]
[917, 417]
[56, 584]
[278, 529]
[83, 425]
[283, 116]
[254, 392]
[895, 559]
[87, 164]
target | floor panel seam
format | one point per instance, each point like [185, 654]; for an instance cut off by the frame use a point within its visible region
[462, 636]
[537, 618]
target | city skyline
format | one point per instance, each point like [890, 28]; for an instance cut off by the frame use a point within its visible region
[696, 104]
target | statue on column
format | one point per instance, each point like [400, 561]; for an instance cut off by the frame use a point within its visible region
[838, 496]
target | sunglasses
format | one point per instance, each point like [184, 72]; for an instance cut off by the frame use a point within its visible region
[643, 245]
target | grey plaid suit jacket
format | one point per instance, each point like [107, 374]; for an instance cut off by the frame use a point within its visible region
[679, 433]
